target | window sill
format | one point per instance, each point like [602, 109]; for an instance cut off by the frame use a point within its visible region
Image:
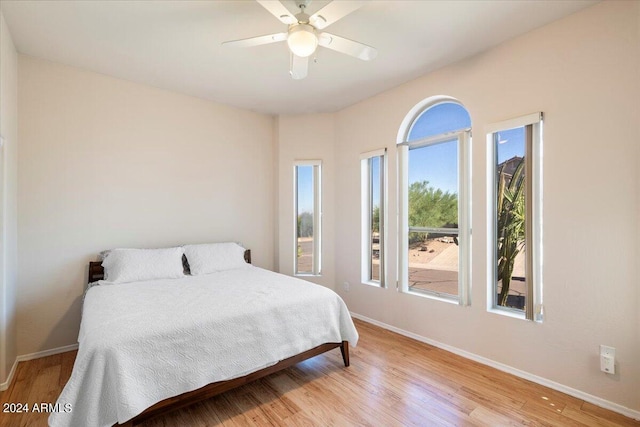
[508, 313]
[372, 284]
[450, 300]
[307, 275]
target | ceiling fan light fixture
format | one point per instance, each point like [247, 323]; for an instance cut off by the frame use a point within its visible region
[302, 40]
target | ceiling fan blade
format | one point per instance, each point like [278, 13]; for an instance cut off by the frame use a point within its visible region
[257, 41]
[278, 10]
[298, 67]
[334, 11]
[349, 47]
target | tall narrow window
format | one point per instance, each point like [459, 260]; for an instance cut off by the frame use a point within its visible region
[516, 222]
[373, 168]
[308, 218]
[435, 232]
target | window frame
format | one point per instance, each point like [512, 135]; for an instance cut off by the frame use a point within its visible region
[366, 178]
[316, 267]
[533, 309]
[464, 202]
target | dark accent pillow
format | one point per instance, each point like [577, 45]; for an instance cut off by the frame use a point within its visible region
[185, 265]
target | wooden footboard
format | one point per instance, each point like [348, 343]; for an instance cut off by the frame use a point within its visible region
[213, 389]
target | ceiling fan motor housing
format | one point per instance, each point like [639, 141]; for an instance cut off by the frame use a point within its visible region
[302, 3]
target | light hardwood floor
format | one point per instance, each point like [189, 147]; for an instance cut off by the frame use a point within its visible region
[392, 381]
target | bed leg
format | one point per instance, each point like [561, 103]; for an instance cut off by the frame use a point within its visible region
[344, 349]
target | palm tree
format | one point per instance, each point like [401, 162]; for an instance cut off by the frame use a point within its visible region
[511, 226]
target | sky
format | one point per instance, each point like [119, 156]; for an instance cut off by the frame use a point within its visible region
[510, 143]
[375, 168]
[305, 189]
[436, 163]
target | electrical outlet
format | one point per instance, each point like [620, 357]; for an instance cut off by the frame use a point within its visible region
[607, 359]
[345, 286]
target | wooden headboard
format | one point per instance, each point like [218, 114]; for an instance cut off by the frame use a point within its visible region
[96, 271]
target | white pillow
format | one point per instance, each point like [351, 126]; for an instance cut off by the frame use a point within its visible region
[213, 257]
[133, 265]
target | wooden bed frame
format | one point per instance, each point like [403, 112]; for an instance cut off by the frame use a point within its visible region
[96, 272]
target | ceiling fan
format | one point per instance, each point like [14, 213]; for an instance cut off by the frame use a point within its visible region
[304, 36]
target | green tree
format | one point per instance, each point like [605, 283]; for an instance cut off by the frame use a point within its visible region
[305, 224]
[431, 207]
[510, 226]
[375, 220]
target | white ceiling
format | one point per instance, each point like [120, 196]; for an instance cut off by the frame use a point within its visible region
[176, 45]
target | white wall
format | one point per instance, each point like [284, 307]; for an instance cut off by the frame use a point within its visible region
[637, 168]
[108, 163]
[8, 198]
[583, 73]
[306, 137]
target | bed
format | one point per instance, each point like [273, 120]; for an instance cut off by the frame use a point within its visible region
[149, 347]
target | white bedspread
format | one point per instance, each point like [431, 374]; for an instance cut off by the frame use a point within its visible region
[143, 342]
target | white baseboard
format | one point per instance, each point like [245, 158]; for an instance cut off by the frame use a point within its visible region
[598, 401]
[5, 385]
[45, 353]
[24, 357]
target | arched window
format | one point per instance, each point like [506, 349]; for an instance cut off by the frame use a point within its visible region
[443, 117]
[434, 152]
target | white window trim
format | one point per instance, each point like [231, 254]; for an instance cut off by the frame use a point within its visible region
[464, 215]
[317, 217]
[529, 119]
[365, 241]
[416, 112]
[534, 303]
